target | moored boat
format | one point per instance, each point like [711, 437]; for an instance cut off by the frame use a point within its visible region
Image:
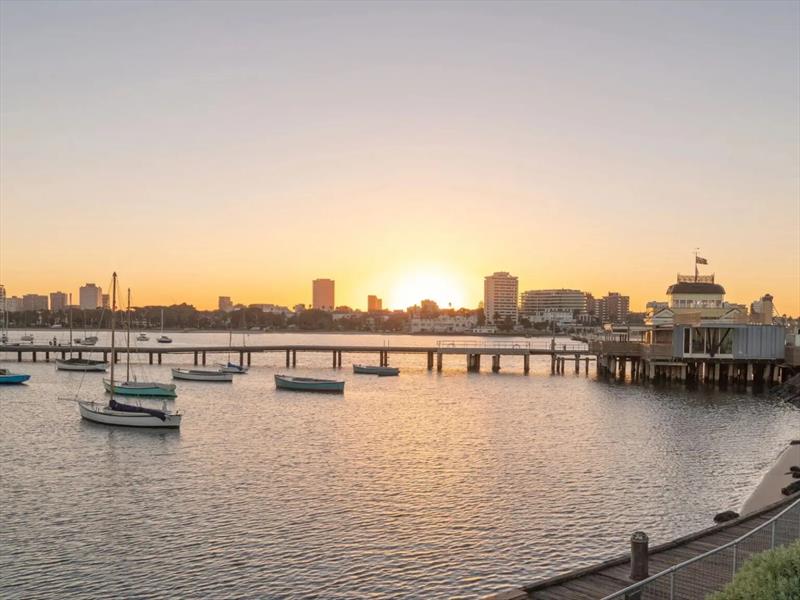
[164, 339]
[27, 338]
[80, 364]
[308, 384]
[201, 375]
[373, 370]
[141, 388]
[232, 368]
[7, 376]
[118, 413]
[142, 337]
[127, 415]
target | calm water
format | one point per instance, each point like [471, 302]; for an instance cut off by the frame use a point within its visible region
[429, 485]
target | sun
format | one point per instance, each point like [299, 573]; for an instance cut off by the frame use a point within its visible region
[432, 284]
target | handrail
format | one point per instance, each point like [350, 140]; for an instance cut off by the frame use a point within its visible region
[580, 347]
[673, 569]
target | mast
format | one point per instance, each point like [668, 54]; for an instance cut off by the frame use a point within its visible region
[113, 346]
[128, 340]
[162, 321]
[70, 331]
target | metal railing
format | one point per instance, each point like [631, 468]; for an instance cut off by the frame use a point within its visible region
[515, 345]
[710, 572]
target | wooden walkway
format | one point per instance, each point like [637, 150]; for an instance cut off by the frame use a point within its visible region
[599, 581]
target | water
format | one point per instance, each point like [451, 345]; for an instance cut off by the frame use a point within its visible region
[427, 485]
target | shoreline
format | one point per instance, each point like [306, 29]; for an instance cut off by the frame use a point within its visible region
[768, 490]
[76, 332]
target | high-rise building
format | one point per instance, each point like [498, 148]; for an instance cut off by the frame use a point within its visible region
[225, 304]
[322, 291]
[13, 304]
[500, 293]
[2, 298]
[374, 304]
[90, 296]
[58, 300]
[614, 307]
[105, 300]
[537, 302]
[34, 302]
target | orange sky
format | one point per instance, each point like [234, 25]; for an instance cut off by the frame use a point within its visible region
[402, 152]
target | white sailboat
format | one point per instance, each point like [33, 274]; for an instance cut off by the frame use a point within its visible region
[163, 339]
[232, 367]
[117, 413]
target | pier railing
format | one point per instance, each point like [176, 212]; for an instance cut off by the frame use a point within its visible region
[692, 579]
[510, 345]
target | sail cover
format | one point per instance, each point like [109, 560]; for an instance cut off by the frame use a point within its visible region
[114, 405]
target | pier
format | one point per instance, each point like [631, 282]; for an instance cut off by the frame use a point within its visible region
[560, 354]
[688, 568]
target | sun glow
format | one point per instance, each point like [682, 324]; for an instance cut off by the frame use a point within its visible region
[432, 284]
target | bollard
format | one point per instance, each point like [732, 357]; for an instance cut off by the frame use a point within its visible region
[639, 556]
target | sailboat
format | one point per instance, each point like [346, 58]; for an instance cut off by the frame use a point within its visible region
[163, 339]
[78, 364]
[137, 388]
[231, 367]
[118, 413]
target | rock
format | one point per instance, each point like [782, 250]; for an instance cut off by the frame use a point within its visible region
[795, 474]
[727, 515]
[794, 443]
[794, 469]
[791, 488]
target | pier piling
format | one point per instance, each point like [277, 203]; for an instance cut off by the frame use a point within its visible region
[639, 556]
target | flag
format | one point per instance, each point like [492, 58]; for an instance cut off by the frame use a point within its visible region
[700, 260]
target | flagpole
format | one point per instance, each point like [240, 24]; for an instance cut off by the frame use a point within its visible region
[695, 264]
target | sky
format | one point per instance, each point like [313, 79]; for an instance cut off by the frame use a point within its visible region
[403, 149]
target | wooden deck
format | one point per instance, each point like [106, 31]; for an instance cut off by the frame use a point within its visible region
[598, 581]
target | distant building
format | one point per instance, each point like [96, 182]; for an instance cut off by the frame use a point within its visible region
[561, 304]
[105, 300]
[13, 304]
[90, 297]
[374, 304]
[500, 293]
[613, 308]
[225, 304]
[655, 305]
[272, 308]
[323, 294]
[58, 301]
[444, 324]
[761, 311]
[34, 302]
[2, 297]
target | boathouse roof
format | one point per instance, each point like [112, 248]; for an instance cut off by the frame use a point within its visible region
[695, 287]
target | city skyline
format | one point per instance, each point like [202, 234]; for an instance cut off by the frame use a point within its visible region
[438, 163]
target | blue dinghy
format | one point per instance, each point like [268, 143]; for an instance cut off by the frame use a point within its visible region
[7, 377]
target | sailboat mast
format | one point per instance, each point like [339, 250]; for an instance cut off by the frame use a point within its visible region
[128, 340]
[70, 332]
[113, 345]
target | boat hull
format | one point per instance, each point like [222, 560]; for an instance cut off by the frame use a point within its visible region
[373, 370]
[135, 388]
[14, 378]
[307, 384]
[235, 369]
[98, 413]
[77, 364]
[164, 340]
[198, 375]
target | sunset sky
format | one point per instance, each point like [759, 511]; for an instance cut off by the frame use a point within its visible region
[403, 149]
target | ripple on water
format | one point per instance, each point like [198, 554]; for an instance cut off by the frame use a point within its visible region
[427, 485]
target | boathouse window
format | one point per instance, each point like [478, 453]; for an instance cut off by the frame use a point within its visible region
[687, 340]
[697, 341]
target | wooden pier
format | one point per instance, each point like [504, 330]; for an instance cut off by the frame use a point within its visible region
[559, 354]
[611, 576]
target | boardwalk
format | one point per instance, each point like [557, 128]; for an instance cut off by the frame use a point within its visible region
[605, 579]
[559, 353]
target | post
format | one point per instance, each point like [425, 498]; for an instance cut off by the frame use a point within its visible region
[587, 366]
[34, 356]
[340, 359]
[287, 359]
[334, 359]
[495, 363]
[63, 355]
[204, 358]
[47, 356]
[105, 356]
[439, 362]
[552, 364]
[526, 364]
[639, 556]
[294, 358]
[159, 358]
[430, 361]
[195, 358]
[241, 358]
[151, 358]
[577, 364]
[248, 358]
[19, 356]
